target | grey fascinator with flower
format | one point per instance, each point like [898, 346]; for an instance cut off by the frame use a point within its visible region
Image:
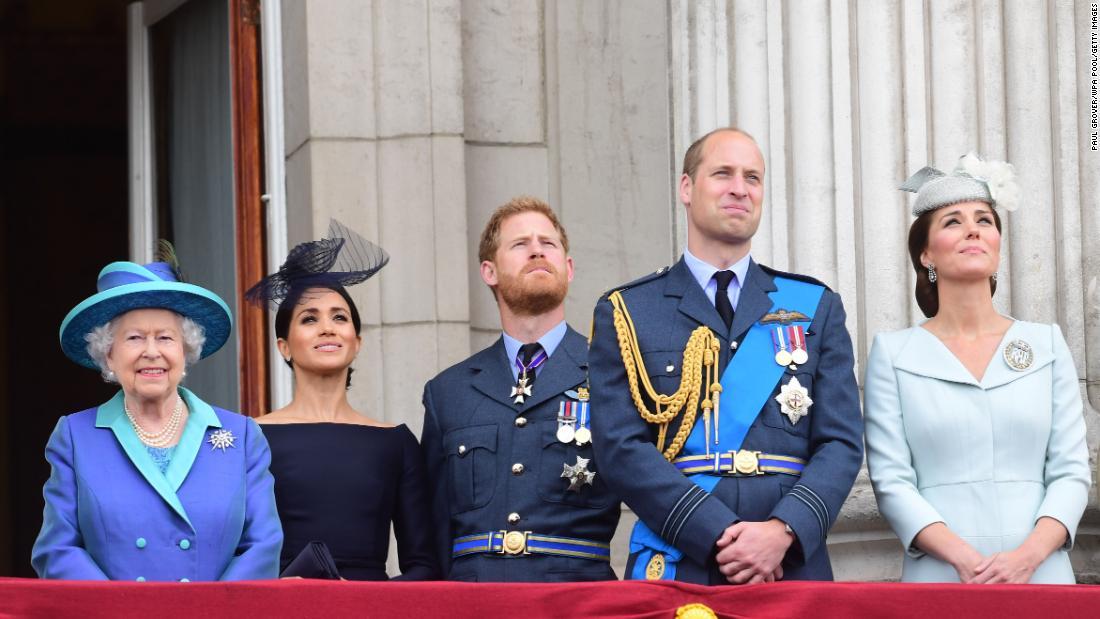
[974, 179]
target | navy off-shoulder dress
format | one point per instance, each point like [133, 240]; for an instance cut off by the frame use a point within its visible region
[344, 484]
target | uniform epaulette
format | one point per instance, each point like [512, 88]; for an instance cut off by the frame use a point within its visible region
[796, 276]
[661, 272]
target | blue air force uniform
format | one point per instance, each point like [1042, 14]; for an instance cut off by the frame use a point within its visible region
[501, 507]
[800, 468]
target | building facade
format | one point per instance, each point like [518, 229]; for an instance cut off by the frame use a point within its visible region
[411, 121]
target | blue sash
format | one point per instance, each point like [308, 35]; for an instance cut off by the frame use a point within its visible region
[747, 382]
[751, 375]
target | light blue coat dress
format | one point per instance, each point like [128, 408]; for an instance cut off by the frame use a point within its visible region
[112, 514]
[987, 458]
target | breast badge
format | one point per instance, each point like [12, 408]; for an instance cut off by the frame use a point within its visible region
[794, 400]
[578, 474]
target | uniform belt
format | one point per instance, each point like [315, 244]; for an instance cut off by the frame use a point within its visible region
[740, 463]
[522, 543]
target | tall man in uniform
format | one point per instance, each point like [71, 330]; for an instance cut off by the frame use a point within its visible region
[507, 440]
[728, 414]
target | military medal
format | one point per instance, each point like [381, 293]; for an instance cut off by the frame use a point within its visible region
[566, 434]
[583, 434]
[567, 421]
[779, 343]
[522, 388]
[1018, 355]
[578, 474]
[797, 334]
[794, 400]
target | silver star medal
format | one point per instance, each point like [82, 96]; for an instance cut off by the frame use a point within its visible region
[578, 474]
[221, 439]
[794, 400]
[520, 390]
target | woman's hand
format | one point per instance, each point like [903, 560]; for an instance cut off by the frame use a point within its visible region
[941, 542]
[966, 561]
[1017, 566]
[1012, 567]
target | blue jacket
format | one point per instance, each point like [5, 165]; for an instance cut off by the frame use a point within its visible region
[474, 435]
[112, 515]
[987, 458]
[666, 307]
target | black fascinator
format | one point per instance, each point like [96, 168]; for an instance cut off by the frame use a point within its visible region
[342, 258]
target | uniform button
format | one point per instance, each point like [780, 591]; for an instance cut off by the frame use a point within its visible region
[461, 449]
[733, 345]
[670, 367]
[185, 544]
[140, 542]
[517, 468]
[185, 580]
[140, 579]
[521, 421]
[513, 518]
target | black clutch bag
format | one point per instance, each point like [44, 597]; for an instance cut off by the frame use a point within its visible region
[315, 561]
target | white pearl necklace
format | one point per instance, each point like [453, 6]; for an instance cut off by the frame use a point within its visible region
[164, 437]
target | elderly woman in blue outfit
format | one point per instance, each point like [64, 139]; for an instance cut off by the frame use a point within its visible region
[975, 437]
[154, 484]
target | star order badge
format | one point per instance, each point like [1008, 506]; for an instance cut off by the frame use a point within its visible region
[578, 474]
[794, 400]
[221, 439]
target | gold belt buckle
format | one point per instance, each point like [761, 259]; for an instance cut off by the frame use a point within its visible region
[747, 462]
[514, 543]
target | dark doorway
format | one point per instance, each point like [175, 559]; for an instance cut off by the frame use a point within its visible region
[63, 199]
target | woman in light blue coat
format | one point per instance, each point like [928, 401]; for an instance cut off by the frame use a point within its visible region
[975, 437]
[154, 484]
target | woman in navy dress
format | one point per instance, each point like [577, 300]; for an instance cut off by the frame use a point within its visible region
[340, 477]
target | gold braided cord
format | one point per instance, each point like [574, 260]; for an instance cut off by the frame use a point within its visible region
[701, 351]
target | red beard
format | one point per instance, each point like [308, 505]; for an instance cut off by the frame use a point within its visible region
[528, 295]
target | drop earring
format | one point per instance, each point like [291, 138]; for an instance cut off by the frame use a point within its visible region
[932, 273]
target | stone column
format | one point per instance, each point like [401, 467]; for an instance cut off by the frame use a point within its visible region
[374, 122]
[505, 140]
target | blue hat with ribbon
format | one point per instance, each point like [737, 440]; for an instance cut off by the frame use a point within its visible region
[125, 286]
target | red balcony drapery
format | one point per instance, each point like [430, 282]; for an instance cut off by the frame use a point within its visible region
[302, 598]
